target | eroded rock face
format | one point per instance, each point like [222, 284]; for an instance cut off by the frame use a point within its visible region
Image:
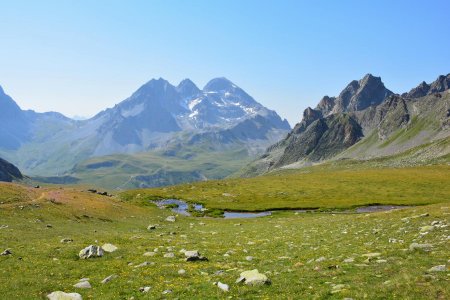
[322, 139]
[58, 295]
[359, 95]
[393, 114]
[91, 251]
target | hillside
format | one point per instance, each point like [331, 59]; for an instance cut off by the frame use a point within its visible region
[365, 121]
[9, 172]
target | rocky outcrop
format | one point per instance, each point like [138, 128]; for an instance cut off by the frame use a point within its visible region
[442, 83]
[392, 115]
[359, 95]
[322, 139]
[365, 115]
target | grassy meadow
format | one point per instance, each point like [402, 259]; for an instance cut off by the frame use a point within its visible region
[323, 187]
[305, 255]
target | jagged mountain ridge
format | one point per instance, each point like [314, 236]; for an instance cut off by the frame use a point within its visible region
[365, 121]
[157, 116]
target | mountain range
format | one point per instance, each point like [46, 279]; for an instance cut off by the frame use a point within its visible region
[179, 122]
[367, 121]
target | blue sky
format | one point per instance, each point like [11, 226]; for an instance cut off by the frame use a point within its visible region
[79, 57]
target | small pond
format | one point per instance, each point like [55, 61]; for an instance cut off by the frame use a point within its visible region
[182, 209]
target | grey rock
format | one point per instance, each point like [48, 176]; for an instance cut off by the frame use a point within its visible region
[423, 247]
[66, 240]
[144, 264]
[6, 252]
[224, 287]
[58, 295]
[109, 278]
[91, 251]
[151, 227]
[171, 219]
[440, 268]
[253, 277]
[145, 289]
[83, 285]
[169, 255]
[194, 255]
[109, 248]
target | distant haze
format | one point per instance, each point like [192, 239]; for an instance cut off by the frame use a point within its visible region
[80, 57]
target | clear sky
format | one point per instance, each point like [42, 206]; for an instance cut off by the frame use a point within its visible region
[79, 57]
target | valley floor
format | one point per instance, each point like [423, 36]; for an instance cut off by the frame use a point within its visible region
[305, 255]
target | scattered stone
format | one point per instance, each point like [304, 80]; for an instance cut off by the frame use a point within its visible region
[91, 251]
[83, 285]
[194, 256]
[171, 219]
[66, 240]
[249, 258]
[144, 289]
[440, 268]
[3, 226]
[320, 259]
[58, 295]
[49, 226]
[423, 247]
[253, 277]
[420, 216]
[144, 264]
[426, 228]
[167, 292]
[109, 278]
[6, 252]
[182, 271]
[149, 253]
[151, 227]
[349, 260]
[224, 287]
[372, 255]
[109, 248]
[169, 255]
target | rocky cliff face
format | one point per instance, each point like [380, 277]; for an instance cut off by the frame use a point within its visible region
[366, 120]
[356, 96]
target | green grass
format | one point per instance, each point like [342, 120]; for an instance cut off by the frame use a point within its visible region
[162, 169]
[285, 247]
[316, 187]
[403, 135]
